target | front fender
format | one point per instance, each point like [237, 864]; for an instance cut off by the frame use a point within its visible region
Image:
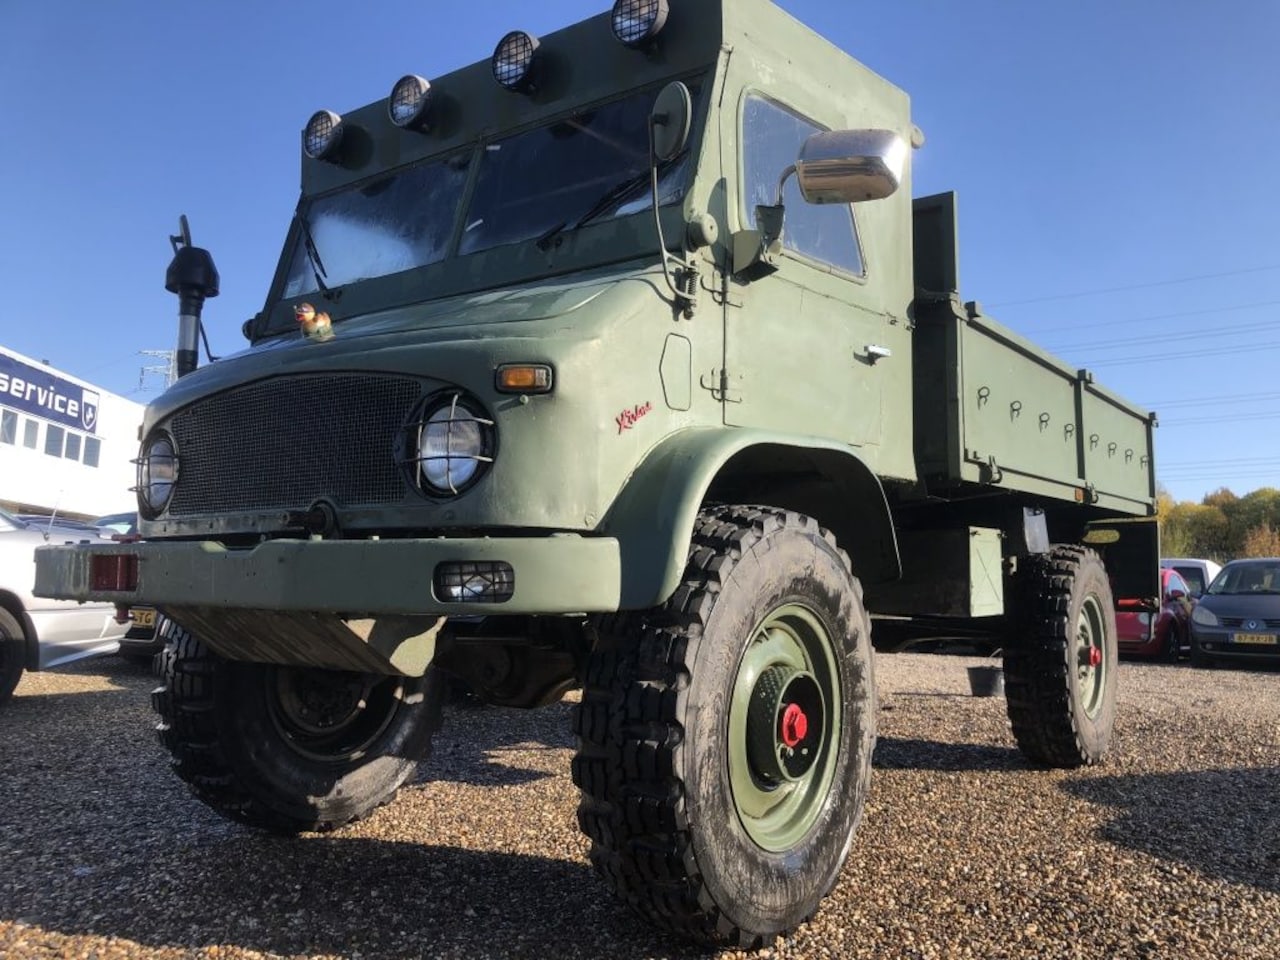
[653, 516]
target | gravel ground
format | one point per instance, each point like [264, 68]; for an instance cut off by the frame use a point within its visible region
[1170, 849]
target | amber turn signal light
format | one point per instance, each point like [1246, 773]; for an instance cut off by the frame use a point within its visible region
[524, 378]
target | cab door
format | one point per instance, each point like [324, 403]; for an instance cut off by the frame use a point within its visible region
[806, 350]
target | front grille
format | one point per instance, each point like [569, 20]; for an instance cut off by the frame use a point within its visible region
[287, 442]
[1239, 622]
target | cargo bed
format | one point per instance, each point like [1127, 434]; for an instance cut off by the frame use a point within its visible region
[992, 409]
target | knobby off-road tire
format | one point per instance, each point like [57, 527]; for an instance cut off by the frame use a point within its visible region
[713, 809]
[13, 654]
[1060, 663]
[289, 749]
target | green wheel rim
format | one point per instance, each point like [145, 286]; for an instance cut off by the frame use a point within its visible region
[1091, 655]
[784, 723]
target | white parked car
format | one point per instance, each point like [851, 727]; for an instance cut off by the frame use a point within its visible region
[36, 633]
[1197, 572]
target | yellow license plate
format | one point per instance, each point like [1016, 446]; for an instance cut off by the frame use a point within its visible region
[143, 617]
[1259, 638]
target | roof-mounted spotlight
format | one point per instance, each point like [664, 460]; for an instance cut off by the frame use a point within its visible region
[410, 102]
[322, 135]
[637, 22]
[513, 60]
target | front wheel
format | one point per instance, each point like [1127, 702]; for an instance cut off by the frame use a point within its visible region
[725, 739]
[289, 749]
[1061, 661]
[13, 654]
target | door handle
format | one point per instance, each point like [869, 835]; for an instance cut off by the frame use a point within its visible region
[876, 352]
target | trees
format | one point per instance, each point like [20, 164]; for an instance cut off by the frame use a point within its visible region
[1222, 526]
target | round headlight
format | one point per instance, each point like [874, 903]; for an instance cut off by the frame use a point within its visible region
[409, 100]
[454, 443]
[513, 60]
[157, 474]
[636, 22]
[322, 135]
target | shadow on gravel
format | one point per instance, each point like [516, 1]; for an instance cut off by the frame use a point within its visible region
[893, 753]
[1223, 823]
[99, 839]
[473, 741]
[338, 897]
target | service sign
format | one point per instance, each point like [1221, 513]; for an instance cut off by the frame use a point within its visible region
[43, 394]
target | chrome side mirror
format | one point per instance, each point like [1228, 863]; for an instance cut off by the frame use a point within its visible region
[849, 166]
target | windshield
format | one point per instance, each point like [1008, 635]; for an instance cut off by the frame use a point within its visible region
[391, 224]
[527, 185]
[535, 181]
[1261, 576]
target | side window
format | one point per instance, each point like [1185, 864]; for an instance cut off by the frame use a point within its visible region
[53, 440]
[1177, 583]
[30, 433]
[8, 426]
[771, 139]
[92, 447]
[1193, 578]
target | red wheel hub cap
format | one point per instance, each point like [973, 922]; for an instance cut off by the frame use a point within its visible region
[1095, 656]
[794, 725]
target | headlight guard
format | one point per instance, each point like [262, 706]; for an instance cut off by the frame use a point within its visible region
[448, 443]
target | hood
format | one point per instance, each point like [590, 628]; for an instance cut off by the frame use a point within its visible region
[1262, 606]
[382, 340]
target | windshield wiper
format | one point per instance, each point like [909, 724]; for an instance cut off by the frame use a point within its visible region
[313, 255]
[610, 198]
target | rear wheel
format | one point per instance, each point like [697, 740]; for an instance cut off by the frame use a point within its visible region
[1173, 645]
[289, 749]
[725, 739]
[1060, 663]
[13, 654]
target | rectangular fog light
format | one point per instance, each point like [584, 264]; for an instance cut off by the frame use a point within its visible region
[486, 581]
[117, 572]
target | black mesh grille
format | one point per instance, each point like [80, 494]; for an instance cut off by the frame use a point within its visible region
[286, 443]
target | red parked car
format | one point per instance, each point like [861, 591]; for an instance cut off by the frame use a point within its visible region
[1145, 630]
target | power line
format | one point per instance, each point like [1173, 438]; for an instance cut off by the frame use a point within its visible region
[1196, 355]
[1156, 316]
[1262, 415]
[1200, 464]
[1227, 330]
[1210, 401]
[1136, 286]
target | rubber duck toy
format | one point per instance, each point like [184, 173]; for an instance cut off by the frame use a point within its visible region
[315, 325]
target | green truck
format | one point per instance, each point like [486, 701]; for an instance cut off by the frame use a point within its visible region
[622, 361]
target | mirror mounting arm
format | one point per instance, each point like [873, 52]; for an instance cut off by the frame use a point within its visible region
[686, 299]
[787, 174]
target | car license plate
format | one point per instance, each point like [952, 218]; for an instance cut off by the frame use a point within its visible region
[1255, 638]
[143, 616]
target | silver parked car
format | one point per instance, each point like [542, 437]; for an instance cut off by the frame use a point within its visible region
[35, 633]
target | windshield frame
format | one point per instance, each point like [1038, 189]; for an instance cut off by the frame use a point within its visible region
[601, 241]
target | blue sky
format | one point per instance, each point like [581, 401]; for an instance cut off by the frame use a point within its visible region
[1116, 165]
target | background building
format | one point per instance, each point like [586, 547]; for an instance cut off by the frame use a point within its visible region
[64, 443]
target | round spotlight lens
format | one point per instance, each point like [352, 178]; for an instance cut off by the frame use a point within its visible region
[409, 100]
[636, 22]
[157, 474]
[322, 135]
[454, 443]
[513, 59]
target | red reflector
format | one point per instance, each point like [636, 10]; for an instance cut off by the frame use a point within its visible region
[114, 571]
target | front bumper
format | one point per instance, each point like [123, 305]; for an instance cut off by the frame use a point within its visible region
[348, 578]
[1224, 643]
